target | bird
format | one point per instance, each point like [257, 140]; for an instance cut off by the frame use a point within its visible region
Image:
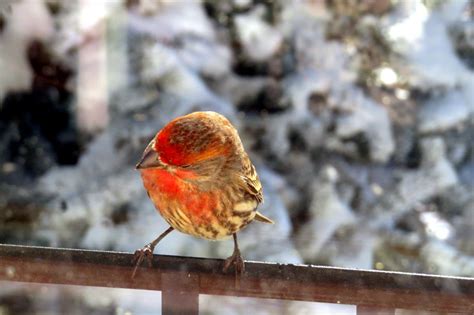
[202, 182]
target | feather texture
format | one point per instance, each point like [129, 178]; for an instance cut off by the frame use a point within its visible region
[201, 179]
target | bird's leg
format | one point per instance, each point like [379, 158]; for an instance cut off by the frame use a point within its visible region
[235, 259]
[146, 253]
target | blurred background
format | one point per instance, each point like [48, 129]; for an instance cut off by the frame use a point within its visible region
[357, 114]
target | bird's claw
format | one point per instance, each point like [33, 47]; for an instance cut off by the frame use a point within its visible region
[145, 253]
[236, 261]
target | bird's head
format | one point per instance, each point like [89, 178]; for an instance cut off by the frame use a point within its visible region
[188, 141]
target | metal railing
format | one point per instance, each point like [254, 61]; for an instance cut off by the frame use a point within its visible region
[182, 279]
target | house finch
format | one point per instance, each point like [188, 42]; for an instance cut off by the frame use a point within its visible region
[201, 180]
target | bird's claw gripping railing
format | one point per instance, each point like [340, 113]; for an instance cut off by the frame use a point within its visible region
[182, 279]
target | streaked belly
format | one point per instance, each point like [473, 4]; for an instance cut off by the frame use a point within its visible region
[210, 223]
[198, 213]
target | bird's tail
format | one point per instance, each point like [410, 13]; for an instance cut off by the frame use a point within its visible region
[260, 217]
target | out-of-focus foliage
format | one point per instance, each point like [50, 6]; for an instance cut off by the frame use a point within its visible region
[357, 114]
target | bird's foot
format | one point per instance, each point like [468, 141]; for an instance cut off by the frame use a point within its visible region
[145, 253]
[236, 261]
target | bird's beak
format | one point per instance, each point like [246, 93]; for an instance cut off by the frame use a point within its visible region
[149, 159]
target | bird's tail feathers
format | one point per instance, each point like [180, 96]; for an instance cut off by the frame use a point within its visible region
[260, 217]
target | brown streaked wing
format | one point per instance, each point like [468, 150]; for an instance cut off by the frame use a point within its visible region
[251, 180]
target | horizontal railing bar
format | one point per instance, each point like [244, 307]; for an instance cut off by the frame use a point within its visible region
[261, 280]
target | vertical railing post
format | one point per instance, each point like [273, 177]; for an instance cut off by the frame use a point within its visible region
[180, 293]
[374, 310]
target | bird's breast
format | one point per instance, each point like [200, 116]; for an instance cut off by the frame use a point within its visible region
[210, 214]
[167, 189]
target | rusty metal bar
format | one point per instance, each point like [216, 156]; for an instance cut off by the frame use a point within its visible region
[390, 290]
[180, 293]
[374, 310]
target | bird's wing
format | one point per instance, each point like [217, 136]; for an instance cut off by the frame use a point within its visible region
[254, 188]
[251, 181]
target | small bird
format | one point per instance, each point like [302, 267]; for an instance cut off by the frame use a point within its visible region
[202, 182]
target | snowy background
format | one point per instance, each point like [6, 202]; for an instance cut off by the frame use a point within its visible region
[357, 114]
